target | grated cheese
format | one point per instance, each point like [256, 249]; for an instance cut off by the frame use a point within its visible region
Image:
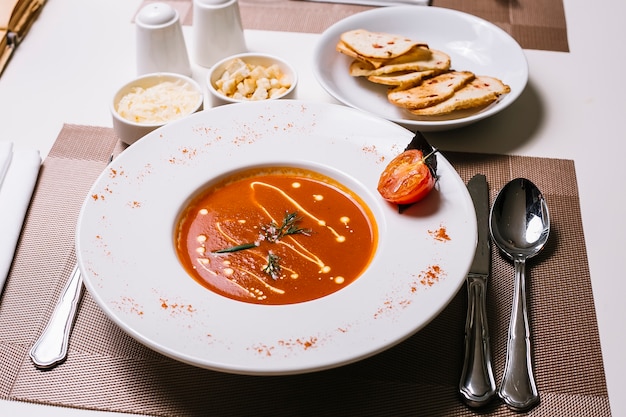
[160, 103]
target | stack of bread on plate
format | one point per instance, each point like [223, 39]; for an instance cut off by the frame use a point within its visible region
[420, 79]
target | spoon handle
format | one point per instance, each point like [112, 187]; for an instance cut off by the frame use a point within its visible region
[51, 347]
[518, 389]
[477, 385]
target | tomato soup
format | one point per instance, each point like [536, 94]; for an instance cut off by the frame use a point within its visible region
[276, 236]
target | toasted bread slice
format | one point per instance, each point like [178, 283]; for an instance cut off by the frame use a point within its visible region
[479, 92]
[437, 60]
[419, 52]
[403, 80]
[377, 45]
[431, 91]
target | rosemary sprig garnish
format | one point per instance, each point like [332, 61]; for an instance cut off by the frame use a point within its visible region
[272, 268]
[237, 248]
[272, 233]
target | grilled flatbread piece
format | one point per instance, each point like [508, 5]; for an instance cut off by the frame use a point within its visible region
[431, 91]
[401, 80]
[437, 60]
[418, 52]
[481, 91]
[377, 45]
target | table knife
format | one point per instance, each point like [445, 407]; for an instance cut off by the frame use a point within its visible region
[477, 385]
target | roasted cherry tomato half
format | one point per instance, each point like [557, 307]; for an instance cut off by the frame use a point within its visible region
[406, 179]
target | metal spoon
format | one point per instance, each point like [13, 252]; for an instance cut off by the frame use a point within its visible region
[519, 225]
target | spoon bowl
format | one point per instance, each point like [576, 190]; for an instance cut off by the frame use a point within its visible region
[520, 222]
[520, 225]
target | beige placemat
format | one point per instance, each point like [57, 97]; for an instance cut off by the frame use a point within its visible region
[535, 24]
[108, 370]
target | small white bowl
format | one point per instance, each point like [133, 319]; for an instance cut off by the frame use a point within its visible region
[215, 73]
[130, 131]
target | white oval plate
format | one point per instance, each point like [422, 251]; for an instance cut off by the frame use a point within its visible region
[126, 252]
[472, 43]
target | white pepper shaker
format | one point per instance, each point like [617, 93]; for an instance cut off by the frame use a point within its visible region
[217, 31]
[160, 42]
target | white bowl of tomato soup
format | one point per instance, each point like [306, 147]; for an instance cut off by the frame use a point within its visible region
[131, 238]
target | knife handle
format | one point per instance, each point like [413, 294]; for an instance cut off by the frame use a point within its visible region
[477, 385]
[51, 347]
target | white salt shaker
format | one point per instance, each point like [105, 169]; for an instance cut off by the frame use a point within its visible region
[160, 42]
[217, 31]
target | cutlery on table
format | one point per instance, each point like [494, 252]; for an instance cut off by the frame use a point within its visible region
[477, 385]
[520, 225]
[51, 347]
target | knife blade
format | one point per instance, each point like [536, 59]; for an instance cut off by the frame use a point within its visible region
[477, 385]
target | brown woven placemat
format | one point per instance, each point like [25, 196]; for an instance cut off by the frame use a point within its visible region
[108, 370]
[535, 24]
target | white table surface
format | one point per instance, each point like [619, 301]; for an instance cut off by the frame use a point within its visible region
[79, 51]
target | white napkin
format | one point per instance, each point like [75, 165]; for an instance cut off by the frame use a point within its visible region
[378, 2]
[20, 168]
